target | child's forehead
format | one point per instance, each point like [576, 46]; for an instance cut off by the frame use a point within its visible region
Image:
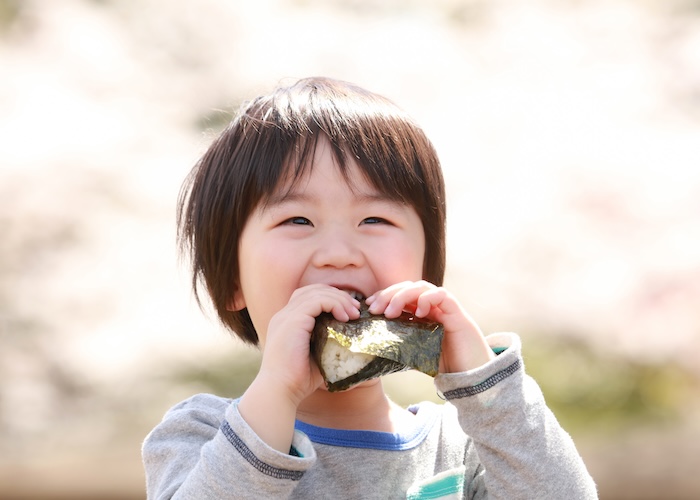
[296, 180]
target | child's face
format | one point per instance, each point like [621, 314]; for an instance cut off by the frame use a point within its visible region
[329, 230]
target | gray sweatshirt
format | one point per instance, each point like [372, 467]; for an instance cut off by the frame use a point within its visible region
[494, 438]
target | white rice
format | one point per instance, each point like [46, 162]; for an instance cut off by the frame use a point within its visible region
[339, 362]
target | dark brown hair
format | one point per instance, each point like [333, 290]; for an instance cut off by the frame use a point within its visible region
[274, 136]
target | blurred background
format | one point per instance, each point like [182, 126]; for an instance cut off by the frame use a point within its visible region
[570, 138]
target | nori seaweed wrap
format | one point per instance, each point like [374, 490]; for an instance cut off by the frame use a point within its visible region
[348, 353]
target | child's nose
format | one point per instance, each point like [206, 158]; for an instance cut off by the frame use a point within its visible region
[337, 248]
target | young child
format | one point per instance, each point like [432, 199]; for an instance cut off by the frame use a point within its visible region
[315, 198]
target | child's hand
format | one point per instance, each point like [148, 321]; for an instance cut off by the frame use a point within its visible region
[463, 346]
[288, 374]
[286, 346]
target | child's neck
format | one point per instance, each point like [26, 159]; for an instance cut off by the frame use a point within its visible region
[365, 407]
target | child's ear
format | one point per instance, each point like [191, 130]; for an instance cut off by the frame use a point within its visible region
[237, 302]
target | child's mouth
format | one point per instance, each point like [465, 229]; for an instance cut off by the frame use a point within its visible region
[355, 294]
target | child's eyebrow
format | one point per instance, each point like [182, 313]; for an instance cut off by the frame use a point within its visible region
[378, 198]
[276, 199]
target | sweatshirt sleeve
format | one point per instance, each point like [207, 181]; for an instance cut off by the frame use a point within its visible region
[522, 447]
[203, 449]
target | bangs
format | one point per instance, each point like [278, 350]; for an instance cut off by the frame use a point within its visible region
[388, 147]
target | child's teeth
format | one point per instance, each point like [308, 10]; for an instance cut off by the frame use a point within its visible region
[355, 295]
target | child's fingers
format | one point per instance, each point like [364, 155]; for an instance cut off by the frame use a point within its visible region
[422, 300]
[317, 299]
[380, 300]
[341, 305]
[428, 300]
[403, 297]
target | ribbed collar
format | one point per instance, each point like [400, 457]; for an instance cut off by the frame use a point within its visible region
[409, 437]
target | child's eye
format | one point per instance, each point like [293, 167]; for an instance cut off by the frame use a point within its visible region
[375, 220]
[300, 221]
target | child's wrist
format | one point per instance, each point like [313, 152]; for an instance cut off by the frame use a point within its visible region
[469, 357]
[272, 386]
[269, 411]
